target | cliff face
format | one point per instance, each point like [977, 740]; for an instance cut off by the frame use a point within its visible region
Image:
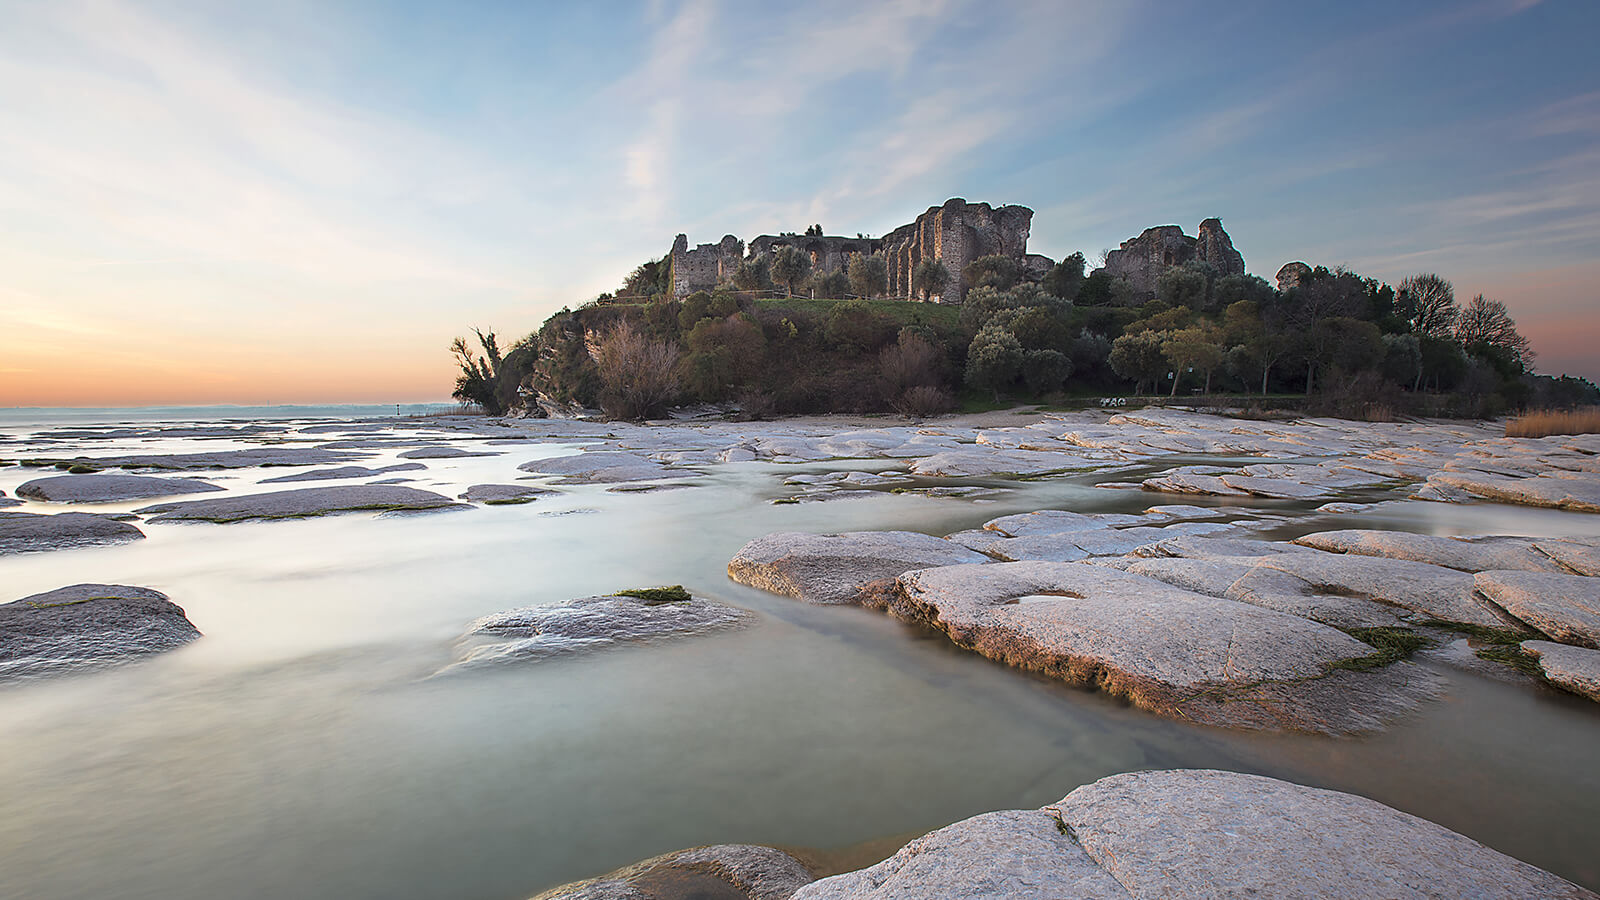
[1141, 260]
[955, 234]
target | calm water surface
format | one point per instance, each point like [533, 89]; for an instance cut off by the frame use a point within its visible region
[304, 748]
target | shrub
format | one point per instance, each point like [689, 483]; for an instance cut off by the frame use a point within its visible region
[924, 400]
[638, 376]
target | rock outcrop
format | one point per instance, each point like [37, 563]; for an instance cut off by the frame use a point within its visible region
[1141, 260]
[839, 568]
[1189, 834]
[719, 872]
[1576, 669]
[30, 532]
[1292, 275]
[87, 625]
[108, 488]
[590, 623]
[299, 503]
[1565, 607]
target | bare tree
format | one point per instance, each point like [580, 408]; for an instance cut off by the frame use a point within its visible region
[638, 376]
[1485, 321]
[1429, 303]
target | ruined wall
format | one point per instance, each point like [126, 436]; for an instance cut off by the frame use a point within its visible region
[828, 253]
[1141, 260]
[956, 234]
[704, 267]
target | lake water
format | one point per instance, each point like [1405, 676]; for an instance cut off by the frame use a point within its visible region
[304, 747]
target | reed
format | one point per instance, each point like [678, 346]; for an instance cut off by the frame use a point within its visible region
[1549, 421]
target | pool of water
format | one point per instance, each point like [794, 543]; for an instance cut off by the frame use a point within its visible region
[307, 747]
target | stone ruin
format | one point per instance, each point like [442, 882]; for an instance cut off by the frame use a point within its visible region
[955, 234]
[1141, 260]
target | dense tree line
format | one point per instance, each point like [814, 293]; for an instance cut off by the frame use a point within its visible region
[1343, 343]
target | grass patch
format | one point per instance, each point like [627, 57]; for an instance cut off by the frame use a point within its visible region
[1504, 645]
[1484, 633]
[785, 501]
[37, 463]
[1546, 422]
[652, 596]
[1511, 655]
[1390, 645]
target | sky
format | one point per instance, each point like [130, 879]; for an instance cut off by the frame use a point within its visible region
[304, 201]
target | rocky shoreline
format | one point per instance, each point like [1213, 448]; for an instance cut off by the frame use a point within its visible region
[1192, 612]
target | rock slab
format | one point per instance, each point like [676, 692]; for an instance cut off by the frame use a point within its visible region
[1565, 607]
[87, 625]
[1576, 669]
[591, 623]
[719, 872]
[836, 568]
[109, 488]
[298, 504]
[30, 532]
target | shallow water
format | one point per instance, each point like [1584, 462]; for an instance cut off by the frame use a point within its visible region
[302, 747]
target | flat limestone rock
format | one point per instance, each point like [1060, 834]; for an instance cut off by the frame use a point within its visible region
[226, 459]
[298, 503]
[504, 494]
[1581, 494]
[835, 568]
[1428, 590]
[31, 532]
[591, 623]
[1565, 607]
[1020, 854]
[603, 467]
[1576, 669]
[1466, 554]
[719, 872]
[1247, 581]
[107, 488]
[1195, 833]
[443, 453]
[1574, 556]
[87, 625]
[343, 472]
[1278, 488]
[1045, 521]
[1068, 546]
[1170, 651]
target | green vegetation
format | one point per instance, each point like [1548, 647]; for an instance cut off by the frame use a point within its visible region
[655, 595]
[1339, 343]
[1502, 645]
[1391, 645]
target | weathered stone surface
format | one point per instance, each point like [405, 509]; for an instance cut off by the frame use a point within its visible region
[1474, 554]
[225, 459]
[1564, 607]
[87, 625]
[1141, 260]
[343, 472]
[1020, 854]
[720, 872]
[106, 488]
[1581, 494]
[1067, 546]
[1171, 651]
[1247, 581]
[603, 467]
[7, 501]
[504, 494]
[1576, 669]
[966, 463]
[835, 568]
[591, 623]
[1431, 591]
[29, 532]
[1182, 834]
[443, 453]
[1045, 521]
[1291, 275]
[298, 503]
[1574, 556]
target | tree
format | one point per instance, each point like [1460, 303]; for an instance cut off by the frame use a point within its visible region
[996, 271]
[993, 360]
[814, 231]
[833, 284]
[790, 267]
[1045, 370]
[1402, 359]
[752, 275]
[869, 275]
[1428, 304]
[929, 277]
[1186, 285]
[638, 375]
[649, 279]
[1065, 278]
[479, 379]
[1487, 323]
[1231, 289]
[1137, 357]
[1192, 347]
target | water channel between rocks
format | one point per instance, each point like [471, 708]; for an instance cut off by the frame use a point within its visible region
[303, 748]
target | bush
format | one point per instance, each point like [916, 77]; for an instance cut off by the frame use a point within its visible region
[923, 401]
[638, 375]
[1045, 370]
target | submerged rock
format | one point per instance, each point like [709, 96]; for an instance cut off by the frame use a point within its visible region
[1565, 607]
[32, 532]
[443, 453]
[591, 623]
[343, 472]
[225, 459]
[1171, 651]
[87, 625]
[1189, 834]
[720, 872]
[837, 568]
[1576, 669]
[504, 494]
[603, 467]
[298, 504]
[107, 488]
